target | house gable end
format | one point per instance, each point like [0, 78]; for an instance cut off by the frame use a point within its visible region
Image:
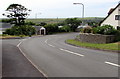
[111, 14]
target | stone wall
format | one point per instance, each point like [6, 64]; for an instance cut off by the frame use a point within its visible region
[95, 38]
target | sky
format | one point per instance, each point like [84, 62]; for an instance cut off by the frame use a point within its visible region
[62, 8]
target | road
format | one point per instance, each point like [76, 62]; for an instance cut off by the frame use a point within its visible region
[51, 55]
[0, 58]
[14, 64]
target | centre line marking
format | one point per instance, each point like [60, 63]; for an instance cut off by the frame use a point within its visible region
[112, 64]
[72, 52]
[51, 45]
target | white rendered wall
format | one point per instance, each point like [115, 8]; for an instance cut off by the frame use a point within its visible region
[111, 19]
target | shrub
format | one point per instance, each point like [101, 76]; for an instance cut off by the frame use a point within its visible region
[87, 29]
[65, 29]
[21, 30]
[43, 24]
[105, 30]
[6, 20]
[4, 34]
[94, 30]
[117, 35]
[73, 23]
[30, 23]
[21, 36]
[51, 28]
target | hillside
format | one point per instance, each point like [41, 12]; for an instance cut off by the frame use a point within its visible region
[58, 20]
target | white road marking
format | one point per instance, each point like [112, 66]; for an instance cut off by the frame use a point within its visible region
[112, 64]
[29, 59]
[19, 44]
[71, 52]
[46, 40]
[51, 45]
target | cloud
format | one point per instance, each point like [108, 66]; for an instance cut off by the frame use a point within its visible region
[53, 8]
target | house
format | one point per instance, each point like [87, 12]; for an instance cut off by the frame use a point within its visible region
[4, 26]
[40, 30]
[113, 17]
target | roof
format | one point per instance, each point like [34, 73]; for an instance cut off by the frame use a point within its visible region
[109, 13]
[2, 29]
[38, 27]
[5, 25]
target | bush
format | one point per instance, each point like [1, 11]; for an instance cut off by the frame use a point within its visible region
[4, 34]
[30, 23]
[87, 29]
[21, 30]
[117, 35]
[51, 28]
[105, 30]
[21, 36]
[6, 20]
[65, 29]
[43, 24]
[73, 23]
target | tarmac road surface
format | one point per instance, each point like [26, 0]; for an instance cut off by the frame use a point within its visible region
[55, 58]
[14, 64]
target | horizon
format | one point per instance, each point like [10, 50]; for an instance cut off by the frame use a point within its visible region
[58, 18]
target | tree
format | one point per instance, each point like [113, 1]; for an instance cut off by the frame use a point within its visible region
[93, 23]
[43, 24]
[51, 28]
[73, 23]
[17, 13]
[65, 28]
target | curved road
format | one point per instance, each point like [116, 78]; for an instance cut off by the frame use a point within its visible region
[51, 55]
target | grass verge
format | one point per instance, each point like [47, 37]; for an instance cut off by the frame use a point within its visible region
[4, 36]
[110, 46]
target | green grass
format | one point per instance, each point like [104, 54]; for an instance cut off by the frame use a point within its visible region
[110, 46]
[58, 20]
[10, 36]
[47, 20]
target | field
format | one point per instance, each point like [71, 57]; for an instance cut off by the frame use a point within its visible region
[59, 20]
[47, 20]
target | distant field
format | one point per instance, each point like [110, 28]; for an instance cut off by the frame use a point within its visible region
[47, 20]
[58, 20]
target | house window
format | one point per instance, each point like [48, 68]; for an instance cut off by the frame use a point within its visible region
[118, 27]
[117, 17]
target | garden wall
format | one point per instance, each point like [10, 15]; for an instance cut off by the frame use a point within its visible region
[95, 38]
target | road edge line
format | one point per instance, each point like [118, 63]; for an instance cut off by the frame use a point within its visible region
[30, 60]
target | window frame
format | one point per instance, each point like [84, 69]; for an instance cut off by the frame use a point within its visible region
[117, 17]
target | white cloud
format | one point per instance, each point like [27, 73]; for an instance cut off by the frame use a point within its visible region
[53, 8]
